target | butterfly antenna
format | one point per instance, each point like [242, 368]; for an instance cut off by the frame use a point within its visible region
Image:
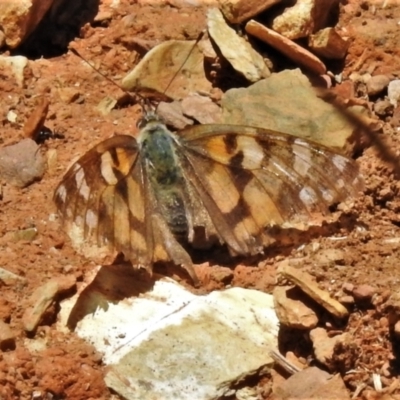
[199, 37]
[143, 99]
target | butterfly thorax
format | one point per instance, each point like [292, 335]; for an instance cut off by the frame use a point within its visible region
[163, 169]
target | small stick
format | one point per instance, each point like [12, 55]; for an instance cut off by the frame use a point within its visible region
[283, 362]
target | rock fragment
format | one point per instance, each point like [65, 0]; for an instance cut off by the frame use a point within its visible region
[172, 114]
[19, 18]
[312, 383]
[237, 11]
[170, 343]
[155, 71]
[16, 67]
[394, 92]
[324, 345]
[7, 337]
[290, 49]
[22, 163]
[291, 310]
[268, 103]
[307, 285]
[304, 18]
[8, 278]
[42, 298]
[36, 120]
[377, 84]
[328, 43]
[202, 109]
[364, 292]
[237, 51]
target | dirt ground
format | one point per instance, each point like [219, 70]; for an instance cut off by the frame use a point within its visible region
[114, 43]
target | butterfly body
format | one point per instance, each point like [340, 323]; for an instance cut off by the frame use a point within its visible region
[154, 197]
[162, 167]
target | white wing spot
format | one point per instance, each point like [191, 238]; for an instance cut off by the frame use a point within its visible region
[84, 189]
[62, 193]
[340, 162]
[308, 196]
[106, 169]
[302, 159]
[253, 154]
[91, 219]
[328, 196]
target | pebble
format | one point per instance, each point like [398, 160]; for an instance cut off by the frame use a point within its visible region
[42, 298]
[172, 114]
[329, 44]
[363, 292]
[383, 108]
[304, 281]
[377, 84]
[235, 49]
[202, 109]
[396, 329]
[22, 163]
[237, 11]
[7, 337]
[394, 91]
[291, 310]
[286, 46]
[8, 278]
[348, 287]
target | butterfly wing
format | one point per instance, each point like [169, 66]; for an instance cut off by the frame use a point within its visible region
[251, 179]
[101, 200]
[107, 204]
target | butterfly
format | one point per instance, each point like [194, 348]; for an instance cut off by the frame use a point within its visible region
[154, 197]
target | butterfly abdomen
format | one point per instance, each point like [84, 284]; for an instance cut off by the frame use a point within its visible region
[165, 175]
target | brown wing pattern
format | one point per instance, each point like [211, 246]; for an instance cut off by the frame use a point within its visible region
[102, 201]
[259, 178]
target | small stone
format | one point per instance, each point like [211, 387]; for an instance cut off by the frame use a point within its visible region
[345, 89]
[9, 278]
[42, 298]
[312, 383]
[348, 287]
[377, 84]
[307, 285]
[235, 49]
[330, 256]
[7, 337]
[347, 300]
[291, 310]
[106, 105]
[289, 48]
[16, 67]
[237, 11]
[324, 345]
[36, 120]
[21, 163]
[202, 109]
[329, 44]
[172, 114]
[2, 39]
[152, 74]
[396, 329]
[304, 18]
[363, 292]
[19, 18]
[68, 95]
[383, 108]
[394, 91]
[52, 157]
[27, 235]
